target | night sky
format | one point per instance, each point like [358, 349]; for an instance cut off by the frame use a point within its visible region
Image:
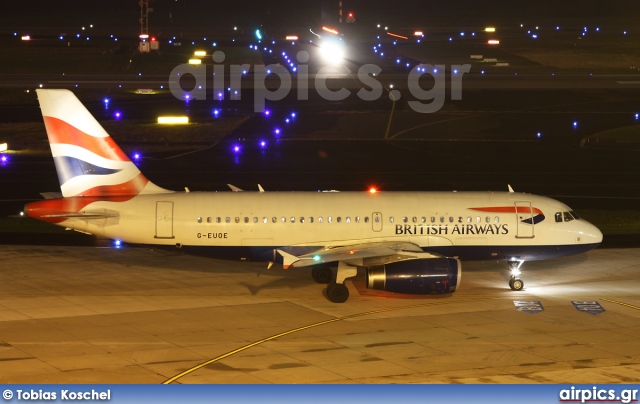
[201, 16]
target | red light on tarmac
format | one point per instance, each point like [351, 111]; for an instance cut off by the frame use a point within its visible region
[372, 190]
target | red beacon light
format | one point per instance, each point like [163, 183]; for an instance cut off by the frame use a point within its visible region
[373, 190]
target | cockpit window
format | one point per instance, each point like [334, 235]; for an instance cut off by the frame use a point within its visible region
[565, 216]
[575, 215]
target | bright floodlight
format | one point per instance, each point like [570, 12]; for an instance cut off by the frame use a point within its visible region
[3, 147]
[195, 61]
[332, 51]
[490, 29]
[200, 53]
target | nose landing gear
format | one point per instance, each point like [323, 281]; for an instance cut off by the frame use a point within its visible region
[515, 283]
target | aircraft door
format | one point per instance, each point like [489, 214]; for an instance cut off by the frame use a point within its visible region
[376, 221]
[164, 220]
[524, 220]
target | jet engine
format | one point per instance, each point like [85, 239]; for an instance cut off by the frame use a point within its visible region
[416, 276]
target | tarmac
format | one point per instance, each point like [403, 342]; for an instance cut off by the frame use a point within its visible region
[142, 315]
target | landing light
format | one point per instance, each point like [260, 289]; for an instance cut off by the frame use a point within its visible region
[490, 29]
[3, 147]
[493, 42]
[117, 243]
[200, 53]
[195, 61]
[316, 258]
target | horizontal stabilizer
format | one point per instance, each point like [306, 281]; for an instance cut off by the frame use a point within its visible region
[51, 195]
[83, 215]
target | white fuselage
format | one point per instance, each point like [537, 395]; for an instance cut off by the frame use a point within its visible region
[469, 225]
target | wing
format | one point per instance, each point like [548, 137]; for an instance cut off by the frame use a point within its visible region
[363, 254]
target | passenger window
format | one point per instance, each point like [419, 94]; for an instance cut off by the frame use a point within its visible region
[391, 219]
[218, 219]
[339, 219]
[293, 219]
[441, 219]
[469, 219]
[478, 219]
[366, 219]
[496, 219]
[246, 219]
[199, 220]
[284, 219]
[274, 219]
[415, 219]
[310, 219]
[357, 219]
[265, 220]
[451, 219]
[237, 220]
[329, 219]
[209, 220]
[459, 219]
[405, 219]
[320, 219]
[487, 219]
[433, 219]
[348, 219]
[227, 219]
[301, 219]
[255, 220]
[424, 219]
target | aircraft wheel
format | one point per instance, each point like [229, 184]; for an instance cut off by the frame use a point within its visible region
[337, 292]
[516, 283]
[322, 274]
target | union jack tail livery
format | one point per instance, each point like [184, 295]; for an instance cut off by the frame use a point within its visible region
[88, 161]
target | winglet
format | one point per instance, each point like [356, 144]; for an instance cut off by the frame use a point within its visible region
[287, 259]
[510, 189]
[260, 188]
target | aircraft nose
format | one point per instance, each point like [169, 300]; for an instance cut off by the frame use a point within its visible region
[592, 234]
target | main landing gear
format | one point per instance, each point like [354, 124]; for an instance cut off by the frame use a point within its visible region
[515, 283]
[337, 291]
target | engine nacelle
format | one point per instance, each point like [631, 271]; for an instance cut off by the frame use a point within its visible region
[416, 276]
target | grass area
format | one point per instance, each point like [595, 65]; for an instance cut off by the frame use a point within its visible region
[593, 52]
[626, 134]
[613, 221]
[108, 58]
[31, 136]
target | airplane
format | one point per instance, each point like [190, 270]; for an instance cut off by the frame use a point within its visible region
[407, 242]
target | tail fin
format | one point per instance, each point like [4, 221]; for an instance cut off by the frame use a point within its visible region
[88, 161]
